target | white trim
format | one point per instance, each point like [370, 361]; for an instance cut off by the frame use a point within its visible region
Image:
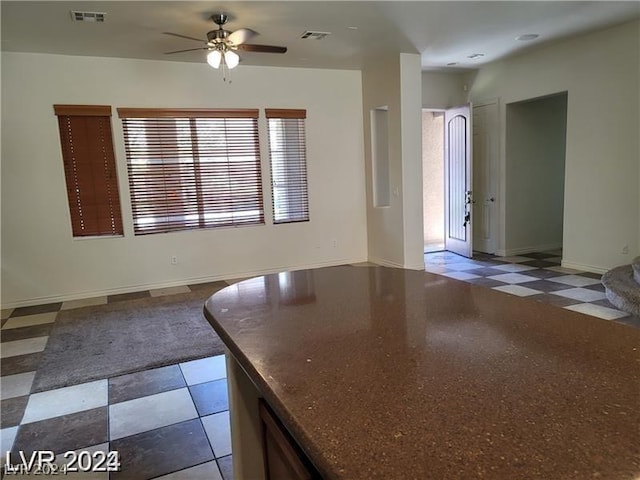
[385, 263]
[490, 101]
[584, 268]
[524, 250]
[175, 283]
[417, 266]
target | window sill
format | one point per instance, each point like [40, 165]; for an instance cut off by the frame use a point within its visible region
[94, 237]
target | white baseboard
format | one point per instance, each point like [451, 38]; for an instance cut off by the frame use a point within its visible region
[385, 263]
[417, 266]
[524, 250]
[584, 268]
[176, 283]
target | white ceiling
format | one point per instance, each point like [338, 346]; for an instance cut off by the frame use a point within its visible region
[442, 32]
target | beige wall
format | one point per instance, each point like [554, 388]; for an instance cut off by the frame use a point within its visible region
[443, 90]
[42, 262]
[395, 231]
[381, 88]
[411, 101]
[601, 74]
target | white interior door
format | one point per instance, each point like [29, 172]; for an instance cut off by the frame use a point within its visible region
[485, 159]
[458, 180]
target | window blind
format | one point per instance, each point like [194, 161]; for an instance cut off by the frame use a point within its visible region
[288, 161]
[90, 169]
[192, 168]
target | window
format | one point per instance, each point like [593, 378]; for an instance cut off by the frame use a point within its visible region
[90, 169]
[287, 151]
[188, 169]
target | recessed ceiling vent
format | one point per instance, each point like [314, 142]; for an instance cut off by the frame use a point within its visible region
[95, 17]
[315, 35]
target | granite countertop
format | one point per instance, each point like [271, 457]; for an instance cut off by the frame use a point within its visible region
[383, 373]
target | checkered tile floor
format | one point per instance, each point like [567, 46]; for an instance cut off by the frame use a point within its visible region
[537, 276]
[170, 422]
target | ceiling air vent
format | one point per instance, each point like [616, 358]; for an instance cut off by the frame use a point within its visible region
[315, 35]
[87, 16]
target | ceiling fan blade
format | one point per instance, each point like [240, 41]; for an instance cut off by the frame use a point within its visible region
[261, 48]
[184, 36]
[187, 50]
[240, 36]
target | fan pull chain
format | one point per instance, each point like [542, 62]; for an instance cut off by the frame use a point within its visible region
[225, 71]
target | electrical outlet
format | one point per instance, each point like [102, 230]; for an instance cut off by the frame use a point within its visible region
[334, 243]
[625, 250]
[174, 259]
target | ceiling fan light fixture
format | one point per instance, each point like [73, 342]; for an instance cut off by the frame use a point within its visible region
[231, 58]
[221, 45]
[214, 58]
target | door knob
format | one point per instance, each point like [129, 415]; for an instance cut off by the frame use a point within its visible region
[468, 198]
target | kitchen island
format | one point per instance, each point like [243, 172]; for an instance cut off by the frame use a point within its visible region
[381, 373]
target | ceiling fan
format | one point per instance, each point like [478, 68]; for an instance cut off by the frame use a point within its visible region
[222, 44]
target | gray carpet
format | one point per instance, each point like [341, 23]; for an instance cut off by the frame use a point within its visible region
[92, 343]
[621, 288]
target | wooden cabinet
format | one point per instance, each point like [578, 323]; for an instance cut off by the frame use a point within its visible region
[283, 459]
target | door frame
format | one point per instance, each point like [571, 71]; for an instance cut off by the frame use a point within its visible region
[442, 111]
